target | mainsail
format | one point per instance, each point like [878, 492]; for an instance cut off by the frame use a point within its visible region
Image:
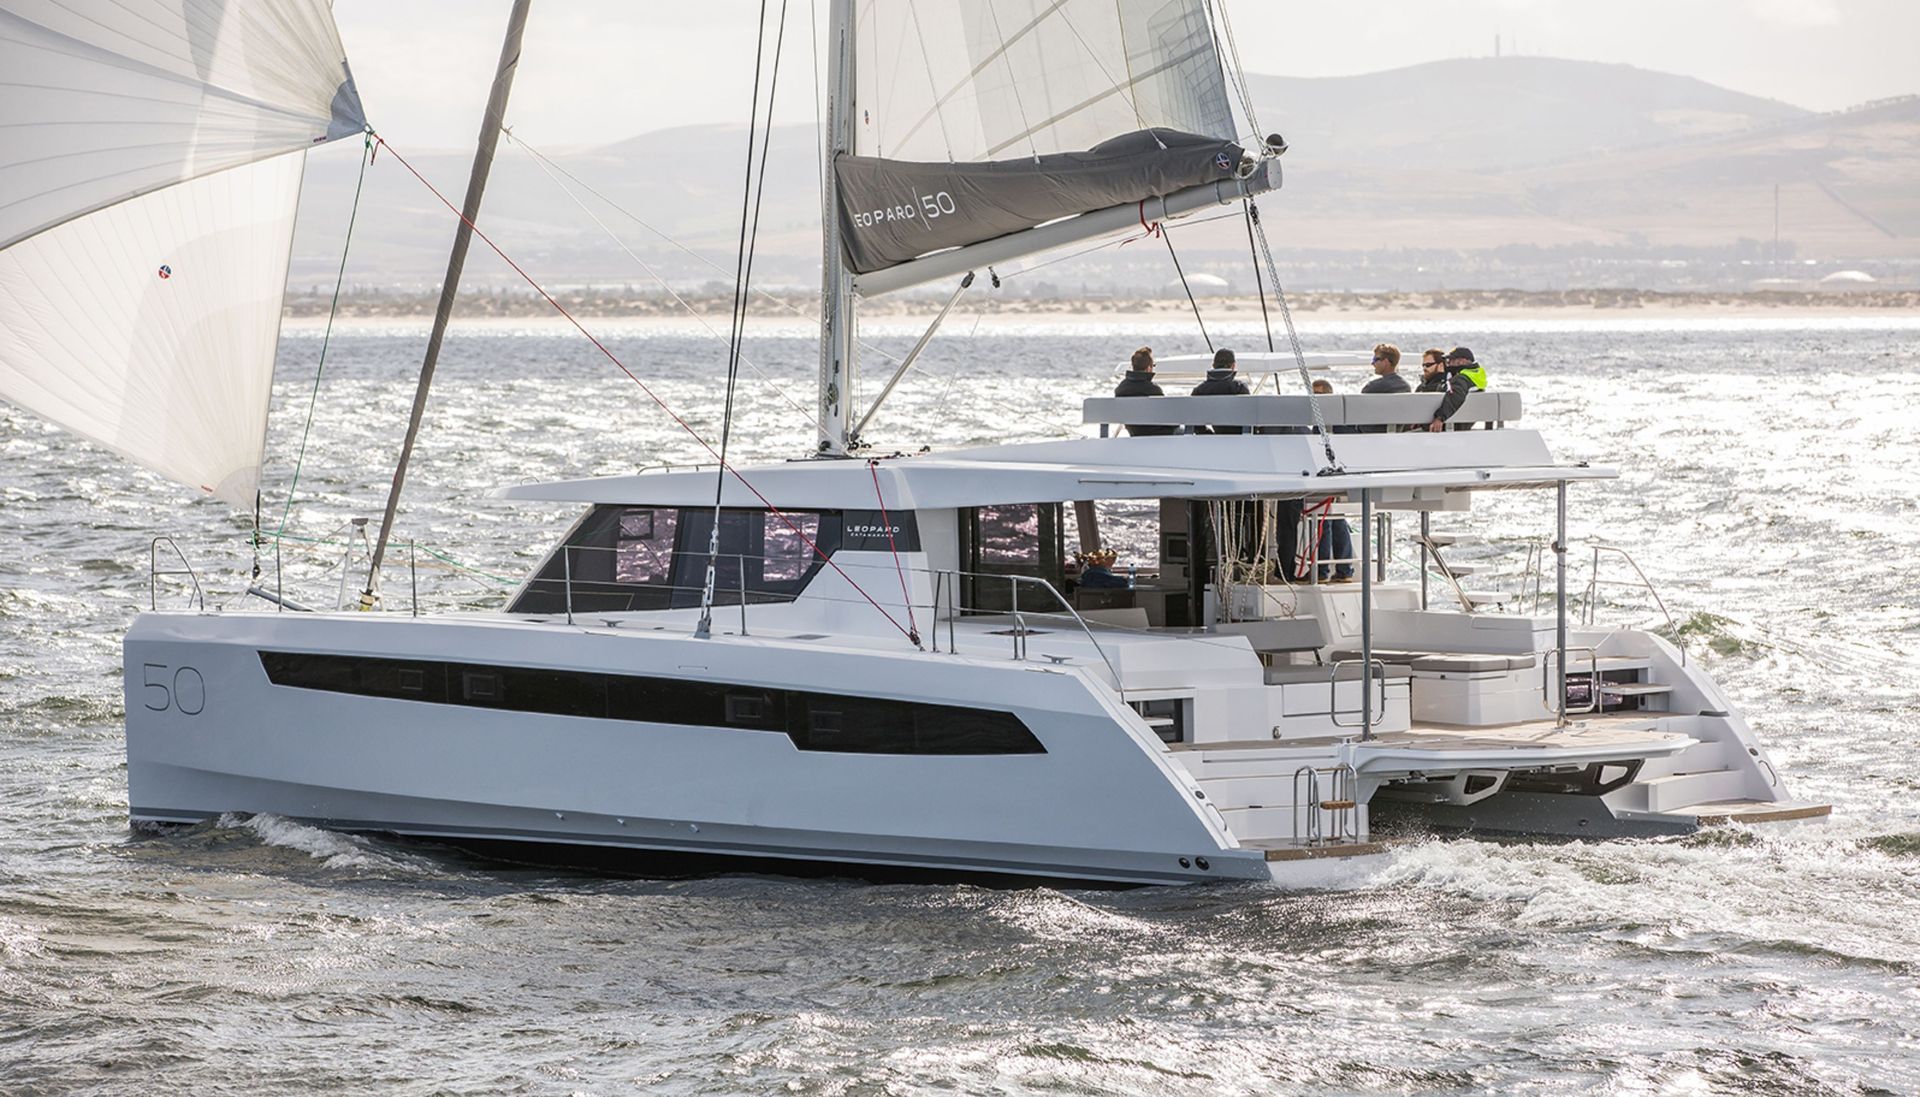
[977, 118]
[148, 182]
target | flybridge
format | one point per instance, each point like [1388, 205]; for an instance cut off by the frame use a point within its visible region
[1176, 466]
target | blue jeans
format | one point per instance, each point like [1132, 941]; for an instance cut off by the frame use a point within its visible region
[1336, 541]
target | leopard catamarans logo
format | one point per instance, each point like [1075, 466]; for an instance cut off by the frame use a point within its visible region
[165, 272]
[923, 209]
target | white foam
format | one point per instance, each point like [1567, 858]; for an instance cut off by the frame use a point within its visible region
[333, 849]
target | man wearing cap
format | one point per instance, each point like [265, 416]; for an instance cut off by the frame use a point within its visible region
[1436, 377]
[1460, 363]
[1139, 382]
[1222, 380]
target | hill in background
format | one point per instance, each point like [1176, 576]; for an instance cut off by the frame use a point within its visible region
[1519, 171]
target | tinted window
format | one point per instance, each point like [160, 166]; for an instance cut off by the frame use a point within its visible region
[639, 558]
[813, 721]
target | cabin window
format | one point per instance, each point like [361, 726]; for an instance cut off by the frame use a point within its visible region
[1013, 539]
[761, 556]
[1010, 534]
[786, 538]
[621, 558]
[643, 547]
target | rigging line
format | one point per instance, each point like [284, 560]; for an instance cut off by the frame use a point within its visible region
[1333, 465]
[326, 338]
[753, 234]
[1237, 70]
[1168, 237]
[1258, 286]
[735, 319]
[554, 166]
[635, 378]
[541, 163]
[906, 598]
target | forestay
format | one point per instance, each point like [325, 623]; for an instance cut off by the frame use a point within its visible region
[976, 118]
[146, 216]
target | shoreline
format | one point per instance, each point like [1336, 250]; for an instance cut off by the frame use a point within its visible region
[498, 312]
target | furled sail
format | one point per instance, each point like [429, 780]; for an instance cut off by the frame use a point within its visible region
[976, 118]
[148, 181]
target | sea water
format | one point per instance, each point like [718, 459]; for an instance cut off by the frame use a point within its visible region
[1767, 488]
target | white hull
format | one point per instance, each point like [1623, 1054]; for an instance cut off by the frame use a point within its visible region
[1103, 803]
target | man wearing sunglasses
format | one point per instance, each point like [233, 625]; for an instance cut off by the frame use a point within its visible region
[1386, 379]
[1436, 377]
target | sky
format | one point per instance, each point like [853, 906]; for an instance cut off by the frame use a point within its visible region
[595, 71]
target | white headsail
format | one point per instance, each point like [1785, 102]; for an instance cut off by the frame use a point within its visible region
[148, 180]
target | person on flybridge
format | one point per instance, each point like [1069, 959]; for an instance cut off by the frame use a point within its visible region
[1436, 377]
[1460, 363]
[1222, 380]
[1139, 382]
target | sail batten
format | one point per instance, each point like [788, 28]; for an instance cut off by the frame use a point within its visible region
[151, 163]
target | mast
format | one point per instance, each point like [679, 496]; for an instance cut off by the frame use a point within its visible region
[836, 282]
[490, 126]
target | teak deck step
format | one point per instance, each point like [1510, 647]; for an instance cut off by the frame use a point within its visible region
[1724, 812]
[1281, 849]
[1634, 689]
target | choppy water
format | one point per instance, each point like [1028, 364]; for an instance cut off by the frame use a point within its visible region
[1768, 489]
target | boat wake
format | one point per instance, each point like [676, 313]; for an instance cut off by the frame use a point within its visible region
[276, 845]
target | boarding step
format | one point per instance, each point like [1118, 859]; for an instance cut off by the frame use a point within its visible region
[1634, 689]
[1283, 849]
[1440, 540]
[1681, 791]
[1724, 812]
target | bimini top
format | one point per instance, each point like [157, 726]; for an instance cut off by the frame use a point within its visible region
[1399, 466]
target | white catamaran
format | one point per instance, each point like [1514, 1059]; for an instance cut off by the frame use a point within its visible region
[871, 664]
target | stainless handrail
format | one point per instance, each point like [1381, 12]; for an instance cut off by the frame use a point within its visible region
[1333, 693]
[1593, 680]
[1593, 592]
[199, 598]
[1432, 552]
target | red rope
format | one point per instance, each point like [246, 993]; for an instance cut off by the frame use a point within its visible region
[1307, 559]
[913, 627]
[675, 416]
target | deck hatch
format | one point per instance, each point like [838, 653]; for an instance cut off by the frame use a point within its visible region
[834, 723]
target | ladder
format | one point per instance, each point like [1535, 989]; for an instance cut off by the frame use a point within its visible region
[1340, 809]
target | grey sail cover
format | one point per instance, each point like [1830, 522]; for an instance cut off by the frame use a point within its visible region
[975, 118]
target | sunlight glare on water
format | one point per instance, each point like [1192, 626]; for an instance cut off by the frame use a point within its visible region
[1766, 486]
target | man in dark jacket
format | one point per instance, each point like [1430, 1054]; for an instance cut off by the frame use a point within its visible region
[1386, 379]
[1435, 377]
[1139, 382]
[1386, 369]
[1222, 380]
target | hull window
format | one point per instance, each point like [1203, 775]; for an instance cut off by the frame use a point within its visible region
[833, 723]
